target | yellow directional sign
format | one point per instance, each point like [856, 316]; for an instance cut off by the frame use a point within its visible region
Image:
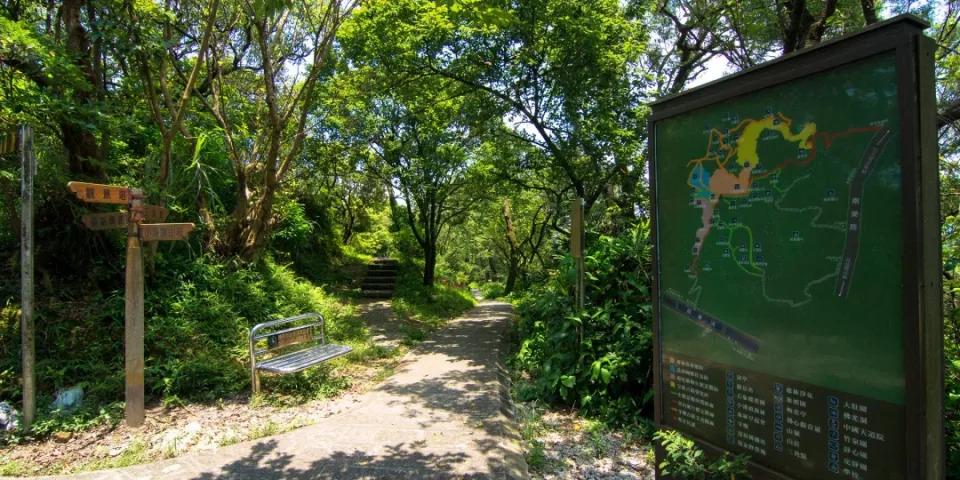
[105, 221]
[155, 214]
[152, 232]
[8, 143]
[95, 193]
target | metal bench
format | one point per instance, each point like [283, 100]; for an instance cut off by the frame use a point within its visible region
[288, 332]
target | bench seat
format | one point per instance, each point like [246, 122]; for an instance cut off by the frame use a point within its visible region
[302, 359]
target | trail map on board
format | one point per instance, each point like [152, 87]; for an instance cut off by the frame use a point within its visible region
[779, 225]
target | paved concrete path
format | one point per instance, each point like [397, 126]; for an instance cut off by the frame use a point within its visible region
[446, 413]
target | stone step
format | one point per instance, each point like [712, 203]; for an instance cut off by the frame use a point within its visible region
[378, 293]
[381, 274]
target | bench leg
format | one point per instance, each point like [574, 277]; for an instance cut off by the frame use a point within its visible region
[255, 380]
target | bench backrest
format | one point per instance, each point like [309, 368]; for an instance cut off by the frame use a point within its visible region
[286, 332]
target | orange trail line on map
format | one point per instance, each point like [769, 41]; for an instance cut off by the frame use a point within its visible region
[828, 139]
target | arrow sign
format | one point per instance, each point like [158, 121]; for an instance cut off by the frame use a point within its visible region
[155, 214]
[105, 221]
[111, 221]
[96, 193]
[152, 232]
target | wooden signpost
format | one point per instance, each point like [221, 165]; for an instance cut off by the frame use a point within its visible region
[577, 243]
[165, 231]
[113, 221]
[137, 232]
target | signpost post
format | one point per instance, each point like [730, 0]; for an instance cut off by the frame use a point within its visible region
[137, 232]
[577, 237]
[797, 314]
[28, 168]
[133, 313]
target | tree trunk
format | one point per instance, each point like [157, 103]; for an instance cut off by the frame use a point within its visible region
[513, 268]
[256, 231]
[348, 226]
[869, 11]
[79, 142]
[430, 265]
[512, 273]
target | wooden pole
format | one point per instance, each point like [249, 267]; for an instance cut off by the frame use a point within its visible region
[577, 240]
[28, 164]
[133, 331]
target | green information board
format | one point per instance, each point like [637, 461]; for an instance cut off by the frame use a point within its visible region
[789, 256]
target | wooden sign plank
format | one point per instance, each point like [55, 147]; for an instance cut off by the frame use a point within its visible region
[96, 193]
[8, 143]
[155, 214]
[152, 232]
[576, 228]
[105, 221]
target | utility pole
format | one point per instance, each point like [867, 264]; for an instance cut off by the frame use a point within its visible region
[28, 164]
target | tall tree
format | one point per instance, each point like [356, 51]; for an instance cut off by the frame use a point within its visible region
[70, 51]
[160, 67]
[428, 156]
[265, 63]
[559, 71]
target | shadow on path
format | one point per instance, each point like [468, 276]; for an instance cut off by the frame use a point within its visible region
[446, 413]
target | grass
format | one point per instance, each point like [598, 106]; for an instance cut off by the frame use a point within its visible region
[413, 336]
[532, 428]
[12, 468]
[535, 453]
[384, 373]
[200, 311]
[425, 307]
[136, 453]
[270, 428]
[265, 429]
[597, 431]
[228, 440]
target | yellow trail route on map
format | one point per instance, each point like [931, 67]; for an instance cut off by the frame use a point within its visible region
[747, 148]
[722, 182]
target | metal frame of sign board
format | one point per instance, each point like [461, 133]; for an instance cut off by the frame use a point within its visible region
[921, 263]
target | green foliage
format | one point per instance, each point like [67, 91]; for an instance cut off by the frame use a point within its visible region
[293, 232]
[429, 307]
[413, 336]
[50, 421]
[492, 290]
[198, 314]
[377, 240]
[12, 468]
[684, 459]
[599, 359]
[951, 336]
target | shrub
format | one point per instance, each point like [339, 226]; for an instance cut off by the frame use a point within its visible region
[683, 459]
[492, 290]
[198, 313]
[429, 306]
[599, 359]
